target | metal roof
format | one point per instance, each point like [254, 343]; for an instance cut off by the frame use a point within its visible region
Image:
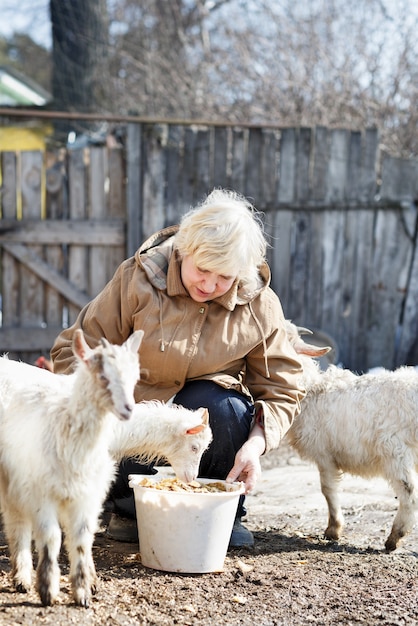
[16, 89]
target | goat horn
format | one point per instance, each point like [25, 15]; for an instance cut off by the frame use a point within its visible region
[304, 331]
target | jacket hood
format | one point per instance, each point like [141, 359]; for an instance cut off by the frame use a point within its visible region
[158, 258]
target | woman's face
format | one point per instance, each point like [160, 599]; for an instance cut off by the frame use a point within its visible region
[201, 284]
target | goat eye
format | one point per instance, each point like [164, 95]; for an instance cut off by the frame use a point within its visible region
[195, 449]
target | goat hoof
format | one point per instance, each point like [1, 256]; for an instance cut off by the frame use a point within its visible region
[21, 588]
[47, 600]
[47, 595]
[83, 602]
[331, 536]
[391, 545]
[82, 598]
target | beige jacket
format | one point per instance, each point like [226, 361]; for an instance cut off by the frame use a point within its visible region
[238, 340]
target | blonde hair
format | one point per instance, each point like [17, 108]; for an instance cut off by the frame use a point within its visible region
[225, 235]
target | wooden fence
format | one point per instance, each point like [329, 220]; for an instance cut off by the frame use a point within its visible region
[62, 235]
[341, 218]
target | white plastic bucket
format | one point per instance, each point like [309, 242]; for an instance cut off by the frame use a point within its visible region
[184, 531]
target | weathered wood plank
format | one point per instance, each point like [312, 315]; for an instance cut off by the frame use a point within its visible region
[54, 254]
[220, 157]
[203, 165]
[10, 273]
[238, 147]
[253, 171]
[134, 206]
[270, 170]
[350, 291]
[352, 335]
[314, 289]
[116, 193]
[10, 289]
[55, 183]
[77, 190]
[332, 270]
[300, 237]
[368, 174]
[98, 180]
[153, 219]
[173, 169]
[78, 274]
[27, 339]
[43, 271]
[31, 184]
[407, 347]
[399, 179]
[187, 180]
[116, 208]
[32, 288]
[9, 186]
[392, 254]
[320, 165]
[337, 184]
[97, 232]
[303, 157]
[287, 176]
[354, 173]
[279, 229]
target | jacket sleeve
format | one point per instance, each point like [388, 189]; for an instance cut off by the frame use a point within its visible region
[108, 315]
[274, 377]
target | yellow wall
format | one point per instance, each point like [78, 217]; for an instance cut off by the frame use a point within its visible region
[17, 138]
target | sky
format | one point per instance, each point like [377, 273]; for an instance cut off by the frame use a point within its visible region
[31, 16]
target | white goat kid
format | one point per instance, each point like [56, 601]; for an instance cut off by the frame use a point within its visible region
[55, 468]
[365, 425]
[158, 431]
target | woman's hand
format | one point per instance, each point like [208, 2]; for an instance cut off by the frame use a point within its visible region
[247, 466]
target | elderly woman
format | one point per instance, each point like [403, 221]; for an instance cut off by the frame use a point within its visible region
[214, 337]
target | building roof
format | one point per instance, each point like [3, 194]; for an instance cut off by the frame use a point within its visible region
[16, 89]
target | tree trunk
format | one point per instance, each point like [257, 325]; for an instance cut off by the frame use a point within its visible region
[79, 49]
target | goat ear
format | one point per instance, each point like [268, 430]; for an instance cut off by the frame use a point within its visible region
[134, 341]
[195, 429]
[205, 421]
[80, 347]
[205, 416]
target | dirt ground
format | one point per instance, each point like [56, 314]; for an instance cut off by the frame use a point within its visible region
[291, 577]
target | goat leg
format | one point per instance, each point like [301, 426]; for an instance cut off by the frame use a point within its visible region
[83, 576]
[330, 478]
[405, 517]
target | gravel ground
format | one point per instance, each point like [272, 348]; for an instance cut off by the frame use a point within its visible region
[292, 576]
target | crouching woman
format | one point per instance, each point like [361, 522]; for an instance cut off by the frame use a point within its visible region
[214, 336]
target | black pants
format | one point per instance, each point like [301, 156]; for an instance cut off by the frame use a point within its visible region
[230, 417]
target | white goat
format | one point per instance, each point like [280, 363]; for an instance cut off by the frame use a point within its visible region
[365, 425]
[55, 468]
[158, 431]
